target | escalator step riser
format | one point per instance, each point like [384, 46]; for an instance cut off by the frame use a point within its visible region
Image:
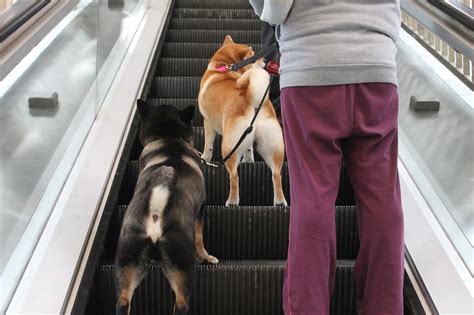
[200, 4]
[252, 232]
[232, 290]
[214, 13]
[255, 181]
[180, 67]
[216, 24]
[194, 50]
[212, 36]
[198, 144]
[175, 87]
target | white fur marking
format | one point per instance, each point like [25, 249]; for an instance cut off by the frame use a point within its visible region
[158, 200]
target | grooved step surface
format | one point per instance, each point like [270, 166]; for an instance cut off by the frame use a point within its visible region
[194, 50]
[253, 232]
[256, 188]
[180, 67]
[233, 4]
[228, 288]
[176, 87]
[181, 104]
[212, 36]
[212, 13]
[216, 24]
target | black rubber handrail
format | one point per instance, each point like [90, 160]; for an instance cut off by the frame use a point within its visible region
[18, 15]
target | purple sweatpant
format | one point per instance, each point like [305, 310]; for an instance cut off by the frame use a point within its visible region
[357, 122]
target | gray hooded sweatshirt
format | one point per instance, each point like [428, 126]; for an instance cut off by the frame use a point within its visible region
[331, 42]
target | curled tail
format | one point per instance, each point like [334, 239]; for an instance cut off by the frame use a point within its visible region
[256, 81]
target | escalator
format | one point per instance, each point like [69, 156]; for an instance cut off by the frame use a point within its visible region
[250, 240]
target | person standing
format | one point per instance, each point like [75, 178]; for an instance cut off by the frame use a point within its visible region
[339, 101]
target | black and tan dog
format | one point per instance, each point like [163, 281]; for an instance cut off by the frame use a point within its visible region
[164, 219]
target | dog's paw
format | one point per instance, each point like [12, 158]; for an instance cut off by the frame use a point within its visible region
[280, 203]
[212, 260]
[207, 156]
[232, 203]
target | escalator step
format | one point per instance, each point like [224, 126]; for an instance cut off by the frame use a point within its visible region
[231, 4]
[258, 191]
[212, 36]
[253, 232]
[194, 50]
[181, 67]
[216, 24]
[230, 288]
[175, 87]
[214, 13]
[256, 188]
[179, 103]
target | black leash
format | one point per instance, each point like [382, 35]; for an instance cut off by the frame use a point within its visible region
[262, 53]
[234, 67]
[245, 134]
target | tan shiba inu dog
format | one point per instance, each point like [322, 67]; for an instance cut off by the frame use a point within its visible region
[227, 101]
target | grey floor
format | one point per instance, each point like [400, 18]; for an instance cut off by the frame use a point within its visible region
[441, 142]
[29, 138]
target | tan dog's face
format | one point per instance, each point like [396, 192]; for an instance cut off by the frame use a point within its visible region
[231, 53]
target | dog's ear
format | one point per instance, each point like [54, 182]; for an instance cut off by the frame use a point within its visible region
[143, 108]
[228, 40]
[187, 114]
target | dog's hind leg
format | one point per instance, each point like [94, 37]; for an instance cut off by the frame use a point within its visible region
[231, 165]
[270, 145]
[201, 252]
[209, 138]
[128, 278]
[181, 281]
[232, 132]
[130, 267]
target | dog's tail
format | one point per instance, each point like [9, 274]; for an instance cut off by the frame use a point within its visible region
[164, 179]
[255, 81]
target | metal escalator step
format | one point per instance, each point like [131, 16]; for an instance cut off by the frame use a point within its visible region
[253, 232]
[181, 104]
[181, 67]
[198, 144]
[214, 13]
[194, 50]
[233, 287]
[189, 50]
[255, 181]
[234, 4]
[216, 24]
[258, 191]
[213, 36]
[175, 87]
